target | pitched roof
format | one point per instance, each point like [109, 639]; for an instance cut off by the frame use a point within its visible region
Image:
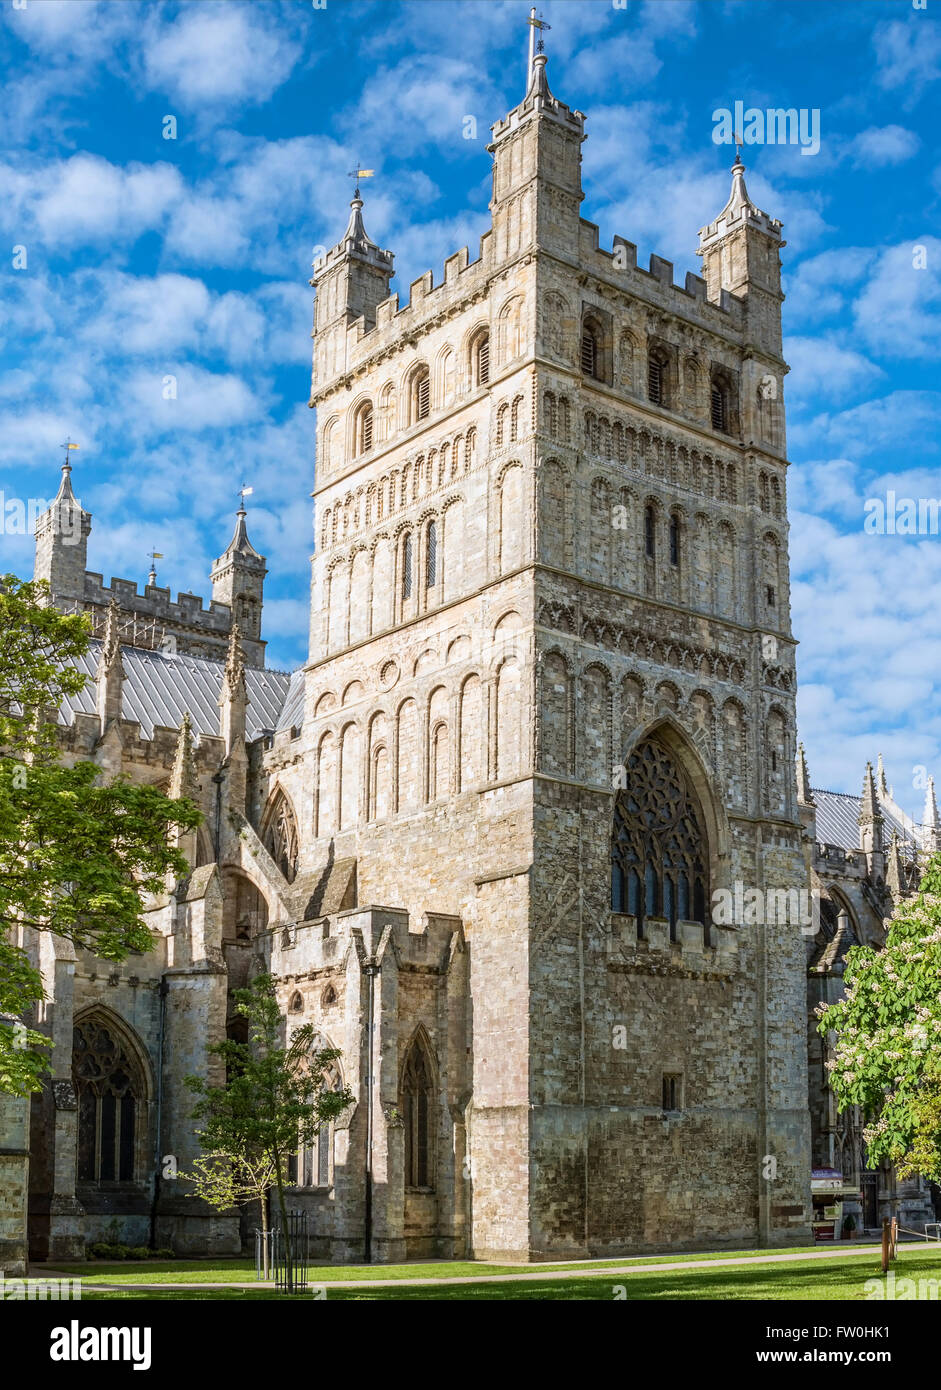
[838, 821]
[160, 688]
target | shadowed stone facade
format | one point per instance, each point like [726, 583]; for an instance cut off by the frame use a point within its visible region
[548, 711]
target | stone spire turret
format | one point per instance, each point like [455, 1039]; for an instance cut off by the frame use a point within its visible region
[882, 785]
[537, 179]
[233, 699]
[351, 280]
[741, 254]
[62, 541]
[238, 580]
[805, 796]
[233, 712]
[109, 678]
[871, 822]
[895, 873]
[184, 779]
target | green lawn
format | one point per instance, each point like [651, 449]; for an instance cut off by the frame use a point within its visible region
[842, 1278]
[226, 1271]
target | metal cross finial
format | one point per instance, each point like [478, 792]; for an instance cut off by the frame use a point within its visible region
[153, 556]
[243, 493]
[358, 174]
[535, 48]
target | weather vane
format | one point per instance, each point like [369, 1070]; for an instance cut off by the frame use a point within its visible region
[358, 174]
[535, 48]
[738, 147]
[243, 493]
[153, 556]
[69, 444]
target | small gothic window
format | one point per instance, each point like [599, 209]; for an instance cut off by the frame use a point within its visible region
[407, 565]
[674, 541]
[650, 532]
[658, 848]
[720, 407]
[672, 1090]
[417, 1111]
[296, 1005]
[312, 1164]
[362, 429]
[328, 997]
[110, 1090]
[769, 592]
[431, 557]
[589, 352]
[279, 836]
[419, 395]
[482, 360]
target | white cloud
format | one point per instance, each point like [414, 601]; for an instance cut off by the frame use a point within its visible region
[898, 310]
[818, 288]
[825, 359]
[219, 54]
[881, 145]
[893, 421]
[203, 400]
[908, 55]
[89, 199]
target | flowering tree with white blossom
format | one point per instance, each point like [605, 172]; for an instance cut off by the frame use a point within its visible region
[887, 1055]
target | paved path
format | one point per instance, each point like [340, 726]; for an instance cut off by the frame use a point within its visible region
[525, 1275]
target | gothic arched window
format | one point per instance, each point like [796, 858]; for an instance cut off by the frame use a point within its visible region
[417, 1114]
[362, 429]
[674, 540]
[480, 359]
[658, 847]
[431, 555]
[650, 532]
[590, 352]
[312, 1164]
[279, 835]
[720, 405]
[109, 1084]
[657, 376]
[407, 565]
[419, 395]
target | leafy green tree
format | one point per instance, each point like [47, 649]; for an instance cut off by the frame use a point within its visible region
[274, 1099]
[77, 856]
[887, 1056]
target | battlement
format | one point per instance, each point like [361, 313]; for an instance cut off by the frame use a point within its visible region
[298, 952]
[397, 324]
[656, 285]
[156, 602]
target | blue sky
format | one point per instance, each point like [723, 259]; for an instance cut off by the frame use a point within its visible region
[148, 257]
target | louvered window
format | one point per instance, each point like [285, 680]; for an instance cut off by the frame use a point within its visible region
[720, 409]
[483, 361]
[655, 380]
[589, 353]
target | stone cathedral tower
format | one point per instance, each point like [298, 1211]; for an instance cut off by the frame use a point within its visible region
[494, 840]
[549, 712]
